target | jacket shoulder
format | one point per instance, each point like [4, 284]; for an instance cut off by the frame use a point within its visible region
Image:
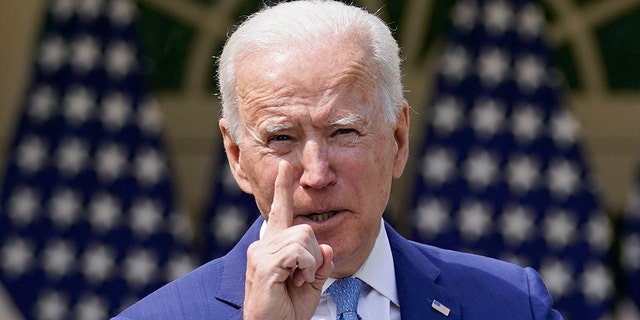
[486, 281]
[192, 296]
[464, 269]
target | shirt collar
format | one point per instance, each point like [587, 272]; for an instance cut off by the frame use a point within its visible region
[377, 270]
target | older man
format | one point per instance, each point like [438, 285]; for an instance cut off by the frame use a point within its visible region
[315, 126]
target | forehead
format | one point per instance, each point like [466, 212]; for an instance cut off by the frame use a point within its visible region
[306, 71]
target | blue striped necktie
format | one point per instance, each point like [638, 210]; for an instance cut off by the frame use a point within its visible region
[345, 293]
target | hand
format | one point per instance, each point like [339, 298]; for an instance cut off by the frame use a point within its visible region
[287, 267]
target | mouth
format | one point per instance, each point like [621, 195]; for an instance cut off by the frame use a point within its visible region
[321, 216]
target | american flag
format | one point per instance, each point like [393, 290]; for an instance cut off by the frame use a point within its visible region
[229, 214]
[502, 172]
[630, 248]
[88, 222]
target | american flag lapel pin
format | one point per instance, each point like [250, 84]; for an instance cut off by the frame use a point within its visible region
[440, 307]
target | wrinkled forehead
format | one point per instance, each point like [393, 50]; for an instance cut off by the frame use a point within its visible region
[309, 68]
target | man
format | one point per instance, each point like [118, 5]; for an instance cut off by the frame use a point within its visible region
[316, 128]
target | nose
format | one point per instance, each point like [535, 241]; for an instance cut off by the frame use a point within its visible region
[317, 171]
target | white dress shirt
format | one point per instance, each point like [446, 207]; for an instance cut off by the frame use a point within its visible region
[379, 297]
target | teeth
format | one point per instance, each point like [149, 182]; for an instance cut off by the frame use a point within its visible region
[321, 216]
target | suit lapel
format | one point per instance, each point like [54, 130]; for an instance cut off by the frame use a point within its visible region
[416, 278]
[232, 280]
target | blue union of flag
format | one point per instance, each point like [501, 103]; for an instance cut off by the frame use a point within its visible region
[502, 170]
[87, 216]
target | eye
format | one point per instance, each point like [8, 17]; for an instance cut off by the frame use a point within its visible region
[343, 131]
[280, 137]
[281, 143]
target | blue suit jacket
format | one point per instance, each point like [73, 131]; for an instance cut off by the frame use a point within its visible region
[471, 286]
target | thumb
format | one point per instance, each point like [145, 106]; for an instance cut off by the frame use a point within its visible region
[324, 271]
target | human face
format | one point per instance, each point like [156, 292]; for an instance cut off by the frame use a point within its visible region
[317, 109]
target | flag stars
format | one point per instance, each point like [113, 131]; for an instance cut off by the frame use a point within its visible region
[630, 252]
[97, 263]
[78, 103]
[229, 224]
[146, 216]
[42, 102]
[530, 21]
[120, 59]
[522, 174]
[455, 64]
[432, 217]
[111, 161]
[464, 15]
[497, 17]
[563, 178]
[438, 165]
[58, 256]
[64, 207]
[480, 169]
[89, 9]
[526, 123]
[116, 110]
[121, 12]
[529, 73]
[493, 66]
[104, 212]
[71, 156]
[559, 229]
[598, 232]
[474, 220]
[596, 283]
[558, 277]
[31, 154]
[17, 256]
[179, 226]
[140, 267]
[517, 224]
[447, 115]
[564, 129]
[63, 9]
[632, 210]
[149, 117]
[52, 305]
[91, 307]
[23, 206]
[74, 196]
[515, 259]
[149, 166]
[487, 117]
[52, 54]
[85, 52]
[178, 265]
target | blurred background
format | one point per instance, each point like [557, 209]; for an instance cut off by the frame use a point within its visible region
[163, 100]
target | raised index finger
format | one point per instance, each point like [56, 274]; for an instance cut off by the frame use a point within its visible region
[281, 215]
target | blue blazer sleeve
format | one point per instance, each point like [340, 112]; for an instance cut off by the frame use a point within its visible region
[541, 302]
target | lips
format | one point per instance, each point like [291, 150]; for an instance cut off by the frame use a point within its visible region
[321, 216]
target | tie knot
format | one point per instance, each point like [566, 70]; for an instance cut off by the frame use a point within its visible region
[345, 293]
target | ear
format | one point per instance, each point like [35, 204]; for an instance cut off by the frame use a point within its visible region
[232, 150]
[401, 136]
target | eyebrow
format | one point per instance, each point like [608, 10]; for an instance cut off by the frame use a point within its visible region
[350, 119]
[274, 127]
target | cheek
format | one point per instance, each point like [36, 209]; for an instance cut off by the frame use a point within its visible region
[261, 173]
[368, 173]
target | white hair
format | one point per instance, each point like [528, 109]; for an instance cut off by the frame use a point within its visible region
[299, 22]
